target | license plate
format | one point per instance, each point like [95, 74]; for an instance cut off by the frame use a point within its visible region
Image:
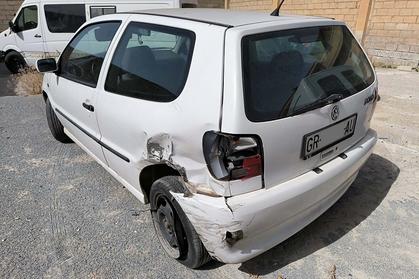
[322, 139]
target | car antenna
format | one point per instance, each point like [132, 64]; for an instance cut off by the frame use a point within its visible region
[276, 11]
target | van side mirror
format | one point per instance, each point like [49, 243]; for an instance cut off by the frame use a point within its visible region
[13, 26]
[46, 65]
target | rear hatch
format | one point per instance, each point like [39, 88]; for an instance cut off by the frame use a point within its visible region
[307, 93]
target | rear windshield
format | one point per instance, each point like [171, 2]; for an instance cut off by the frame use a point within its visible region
[291, 71]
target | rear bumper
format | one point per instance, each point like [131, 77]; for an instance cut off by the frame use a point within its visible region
[269, 216]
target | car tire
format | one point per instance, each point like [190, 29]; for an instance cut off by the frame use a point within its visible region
[185, 245]
[14, 62]
[54, 124]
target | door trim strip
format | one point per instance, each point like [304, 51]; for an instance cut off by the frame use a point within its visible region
[93, 137]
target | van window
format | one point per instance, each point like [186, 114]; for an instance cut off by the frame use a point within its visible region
[82, 59]
[188, 5]
[98, 11]
[151, 62]
[27, 18]
[288, 72]
[65, 18]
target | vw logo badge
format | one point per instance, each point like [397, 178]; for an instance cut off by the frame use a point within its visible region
[335, 113]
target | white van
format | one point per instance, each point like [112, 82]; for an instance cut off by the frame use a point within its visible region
[42, 28]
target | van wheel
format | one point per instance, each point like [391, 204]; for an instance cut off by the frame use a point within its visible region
[14, 62]
[174, 231]
[54, 124]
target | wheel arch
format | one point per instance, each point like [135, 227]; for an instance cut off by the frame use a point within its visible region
[152, 173]
[9, 48]
[44, 95]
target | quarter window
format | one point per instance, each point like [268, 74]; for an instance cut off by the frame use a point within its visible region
[151, 62]
[65, 18]
[98, 11]
[27, 18]
[82, 59]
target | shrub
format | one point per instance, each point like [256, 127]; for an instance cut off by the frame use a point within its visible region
[27, 82]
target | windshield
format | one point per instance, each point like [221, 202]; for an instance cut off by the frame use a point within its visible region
[286, 71]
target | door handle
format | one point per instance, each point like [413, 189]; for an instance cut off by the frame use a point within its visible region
[37, 36]
[89, 107]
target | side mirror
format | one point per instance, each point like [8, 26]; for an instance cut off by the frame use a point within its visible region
[46, 65]
[12, 26]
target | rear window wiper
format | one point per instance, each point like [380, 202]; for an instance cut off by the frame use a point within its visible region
[318, 104]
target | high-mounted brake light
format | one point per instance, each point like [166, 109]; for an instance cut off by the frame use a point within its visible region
[232, 157]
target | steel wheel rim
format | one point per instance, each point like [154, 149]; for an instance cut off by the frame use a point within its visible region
[164, 223]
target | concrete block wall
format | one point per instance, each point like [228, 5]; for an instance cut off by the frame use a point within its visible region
[346, 10]
[258, 5]
[388, 29]
[392, 36]
[7, 9]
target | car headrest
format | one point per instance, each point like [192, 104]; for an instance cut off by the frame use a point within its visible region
[136, 58]
[288, 62]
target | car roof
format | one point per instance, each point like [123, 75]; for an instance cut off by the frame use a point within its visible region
[228, 18]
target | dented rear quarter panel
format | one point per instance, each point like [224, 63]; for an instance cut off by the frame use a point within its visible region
[150, 132]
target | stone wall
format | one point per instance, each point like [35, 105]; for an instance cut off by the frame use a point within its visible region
[7, 9]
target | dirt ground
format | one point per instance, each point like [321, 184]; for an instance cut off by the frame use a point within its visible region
[63, 216]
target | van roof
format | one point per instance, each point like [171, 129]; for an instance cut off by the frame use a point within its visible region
[228, 18]
[103, 1]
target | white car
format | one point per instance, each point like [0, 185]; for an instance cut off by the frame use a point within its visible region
[42, 28]
[239, 128]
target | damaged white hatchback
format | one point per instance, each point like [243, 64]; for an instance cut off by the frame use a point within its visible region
[239, 128]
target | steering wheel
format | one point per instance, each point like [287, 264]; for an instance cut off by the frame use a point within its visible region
[95, 68]
[76, 70]
[30, 24]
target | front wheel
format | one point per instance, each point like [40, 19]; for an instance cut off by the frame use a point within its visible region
[54, 124]
[14, 62]
[174, 230]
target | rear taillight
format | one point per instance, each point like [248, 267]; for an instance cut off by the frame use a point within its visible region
[232, 157]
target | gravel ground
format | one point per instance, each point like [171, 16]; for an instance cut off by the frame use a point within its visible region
[5, 80]
[63, 216]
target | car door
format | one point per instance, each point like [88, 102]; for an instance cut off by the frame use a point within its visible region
[29, 37]
[74, 85]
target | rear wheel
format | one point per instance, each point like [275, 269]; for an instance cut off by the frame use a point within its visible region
[174, 230]
[54, 124]
[14, 62]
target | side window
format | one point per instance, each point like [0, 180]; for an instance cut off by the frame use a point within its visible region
[82, 59]
[65, 18]
[151, 62]
[27, 18]
[102, 10]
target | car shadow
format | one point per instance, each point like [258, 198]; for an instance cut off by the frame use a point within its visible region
[361, 199]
